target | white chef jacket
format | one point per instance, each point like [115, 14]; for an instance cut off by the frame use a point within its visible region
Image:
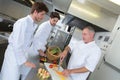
[83, 55]
[39, 42]
[40, 38]
[19, 42]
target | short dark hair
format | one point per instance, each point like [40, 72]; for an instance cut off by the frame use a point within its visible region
[39, 7]
[55, 15]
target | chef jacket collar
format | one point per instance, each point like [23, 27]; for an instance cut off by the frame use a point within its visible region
[92, 42]
[50, 23]
[35, 24]
[30, 18]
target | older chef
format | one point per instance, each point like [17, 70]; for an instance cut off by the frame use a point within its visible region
[42, 34]
[85, 55]
[19, 41]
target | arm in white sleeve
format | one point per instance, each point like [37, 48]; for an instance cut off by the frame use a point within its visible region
[72, 44]
[19, 41]
[92, 60]
[33, 50]
[40, 40]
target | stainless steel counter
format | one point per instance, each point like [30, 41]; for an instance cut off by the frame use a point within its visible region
[33, 73]
[54, 76]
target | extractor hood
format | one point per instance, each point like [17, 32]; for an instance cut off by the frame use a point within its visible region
[26, 2]
[72, 21]
[93, 13]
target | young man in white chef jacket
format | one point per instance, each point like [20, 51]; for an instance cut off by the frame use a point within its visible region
[41, 36]
[20, 41]
[85, 55]
[43, 32]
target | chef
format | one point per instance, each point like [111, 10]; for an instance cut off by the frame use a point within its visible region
[19, 41]
[85, 55]
[42, 34]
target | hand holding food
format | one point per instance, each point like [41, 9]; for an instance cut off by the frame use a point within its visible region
[41, 53]
[66, 72]
[62, 56]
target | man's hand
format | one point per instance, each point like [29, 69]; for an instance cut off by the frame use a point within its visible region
[64, 53]
[66, 72]
[62, 56]
[41, 53]
[29, 64]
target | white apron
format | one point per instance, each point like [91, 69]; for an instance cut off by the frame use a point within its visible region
[10, 65]
[20, 41]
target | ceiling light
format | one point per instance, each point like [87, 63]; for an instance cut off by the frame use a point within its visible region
[116, 2]
[81, 1]
[32, 1]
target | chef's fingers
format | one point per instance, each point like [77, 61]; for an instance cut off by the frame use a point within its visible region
[65, 73]
[62, 58]
[44, 55]
[33, 65]
[29, 64]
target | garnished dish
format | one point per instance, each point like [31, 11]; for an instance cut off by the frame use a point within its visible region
[43, 74]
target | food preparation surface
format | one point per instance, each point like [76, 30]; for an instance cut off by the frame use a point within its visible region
[33, 73]
[55, 74]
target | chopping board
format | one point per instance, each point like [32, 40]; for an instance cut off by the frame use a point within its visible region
[55, 73]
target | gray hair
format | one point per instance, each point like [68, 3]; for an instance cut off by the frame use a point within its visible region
[91, 29]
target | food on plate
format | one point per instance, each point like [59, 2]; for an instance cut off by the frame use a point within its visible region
[53, 65]
[55, 68]
[54, 61]
[43, 59]
[59, 72]
[43, 74]
[50, 66]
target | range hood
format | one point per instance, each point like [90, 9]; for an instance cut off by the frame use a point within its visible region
[54, 5]
[72, 21]
[87, 11]
[62, 5]
[93, 13]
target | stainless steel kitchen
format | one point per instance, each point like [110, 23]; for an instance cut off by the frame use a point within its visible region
[59, 39]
